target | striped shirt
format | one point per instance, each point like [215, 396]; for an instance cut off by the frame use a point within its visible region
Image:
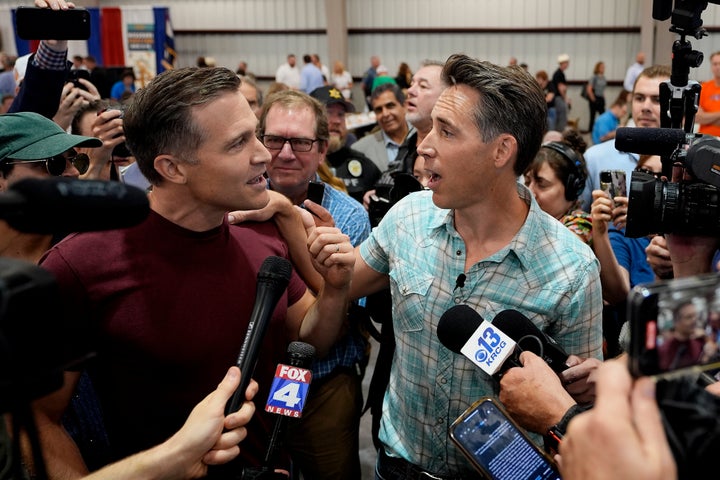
[545, 272]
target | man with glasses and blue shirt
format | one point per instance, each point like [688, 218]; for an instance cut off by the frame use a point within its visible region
[325, 443]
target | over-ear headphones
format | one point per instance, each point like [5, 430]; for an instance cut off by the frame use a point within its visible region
[575, 183]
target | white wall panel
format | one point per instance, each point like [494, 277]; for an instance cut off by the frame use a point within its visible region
[263, 53]
[539, 50]
[492, 13]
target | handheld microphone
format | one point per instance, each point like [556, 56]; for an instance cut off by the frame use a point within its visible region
[288, 394]
[462, 330]
[272, 280]
[529, 337]
[651, 141]
[59, 204]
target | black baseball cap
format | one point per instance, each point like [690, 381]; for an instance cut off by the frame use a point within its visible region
[328, 95]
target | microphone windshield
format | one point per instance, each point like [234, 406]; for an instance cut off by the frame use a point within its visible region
[456, 326]
[649, 141]
[301, 354]
[60, 205]
[529, 337]
[275, 270]
[515, 324]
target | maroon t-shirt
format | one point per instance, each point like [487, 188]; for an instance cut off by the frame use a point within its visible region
[166, 309]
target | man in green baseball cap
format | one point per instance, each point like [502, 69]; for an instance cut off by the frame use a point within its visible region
[32, 145]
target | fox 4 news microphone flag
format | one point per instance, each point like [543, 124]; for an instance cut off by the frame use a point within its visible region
[289, 391]
[140, 37]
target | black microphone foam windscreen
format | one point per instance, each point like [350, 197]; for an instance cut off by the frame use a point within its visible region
[63, 205]
[518, 327]
[649, 141]
[456, 326]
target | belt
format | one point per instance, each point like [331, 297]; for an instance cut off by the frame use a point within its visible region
[402, 469]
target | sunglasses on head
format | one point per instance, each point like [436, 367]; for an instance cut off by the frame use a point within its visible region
[56, 165]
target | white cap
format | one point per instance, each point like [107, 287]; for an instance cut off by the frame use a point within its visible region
[563, 58]
[382, 69]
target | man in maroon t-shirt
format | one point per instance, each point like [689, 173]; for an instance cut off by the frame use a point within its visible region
[166, 304]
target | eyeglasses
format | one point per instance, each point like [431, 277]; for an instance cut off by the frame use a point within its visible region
[56, 165]
[649, 172]
[273, 142]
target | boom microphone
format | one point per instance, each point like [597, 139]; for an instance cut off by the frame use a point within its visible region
[651, 141]
[59, 204]
[528, 337]
[272, 280]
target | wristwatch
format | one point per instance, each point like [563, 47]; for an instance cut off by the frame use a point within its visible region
[553, 437]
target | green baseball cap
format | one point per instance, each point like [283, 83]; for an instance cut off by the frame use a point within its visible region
[30, 136]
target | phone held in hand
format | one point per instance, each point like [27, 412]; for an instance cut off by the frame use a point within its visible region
[675, 327]
[316, 192]
[32, 23]
[497, 447]
[613, 182]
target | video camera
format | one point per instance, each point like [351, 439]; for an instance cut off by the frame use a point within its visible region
[691, 204]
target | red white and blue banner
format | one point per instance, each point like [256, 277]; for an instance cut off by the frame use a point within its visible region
[137, 37]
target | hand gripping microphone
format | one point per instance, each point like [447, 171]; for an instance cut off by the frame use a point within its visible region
[59, 204]
[272, 280]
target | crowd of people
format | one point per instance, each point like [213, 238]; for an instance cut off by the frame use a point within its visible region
[471, 190]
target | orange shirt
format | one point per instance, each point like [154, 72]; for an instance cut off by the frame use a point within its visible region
[710, 102]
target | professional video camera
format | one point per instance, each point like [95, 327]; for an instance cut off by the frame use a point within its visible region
[691, 204]
[36, 342]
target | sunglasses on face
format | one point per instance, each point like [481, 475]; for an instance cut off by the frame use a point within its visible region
[56, 165]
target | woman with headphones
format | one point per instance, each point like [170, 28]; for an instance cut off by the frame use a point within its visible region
[556, 177]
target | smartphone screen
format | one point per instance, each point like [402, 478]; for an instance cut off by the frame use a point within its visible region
[497, 447]
[614, 183]
[675, 326]
[45, 24]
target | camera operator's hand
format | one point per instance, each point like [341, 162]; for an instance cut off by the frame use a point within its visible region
[72, 100]
[622, 436]
[658, 256]
[108, 127]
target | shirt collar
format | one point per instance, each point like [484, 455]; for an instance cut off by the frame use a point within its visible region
[521, 246]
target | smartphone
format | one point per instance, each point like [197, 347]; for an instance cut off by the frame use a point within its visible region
[316, 192]
[675, 327]
[613, 182]
[32, 23]
[497, 447]
[75, 75]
